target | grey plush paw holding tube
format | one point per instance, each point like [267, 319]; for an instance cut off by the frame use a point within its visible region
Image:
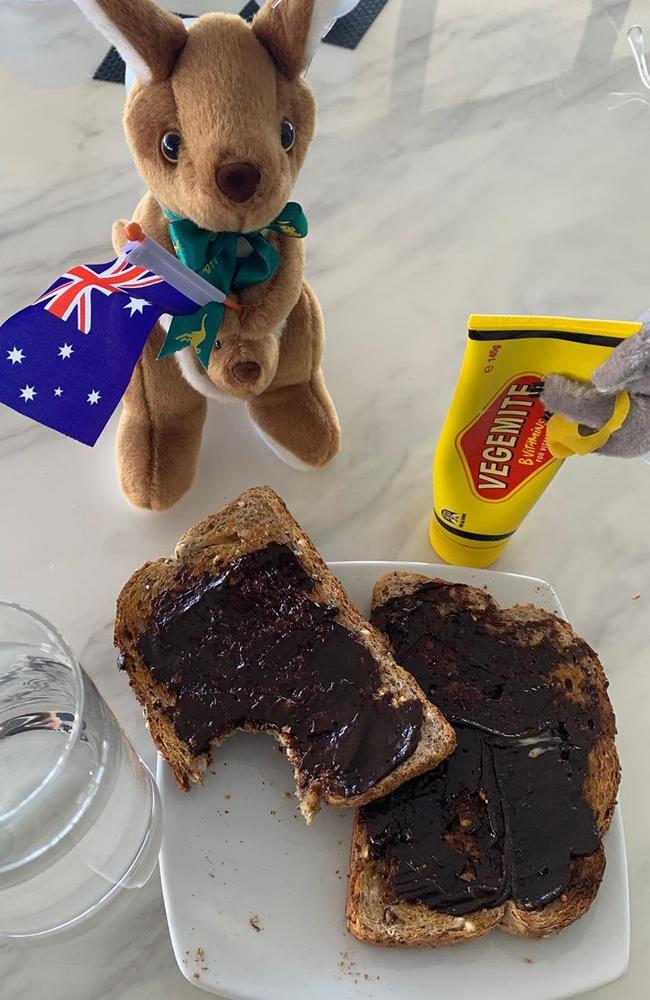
[591, 403]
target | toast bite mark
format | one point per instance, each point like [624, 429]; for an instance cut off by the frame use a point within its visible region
[246, 628]
[507, 832]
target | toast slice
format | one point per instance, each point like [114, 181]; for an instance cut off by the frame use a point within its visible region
[246, 628]
[447, 634]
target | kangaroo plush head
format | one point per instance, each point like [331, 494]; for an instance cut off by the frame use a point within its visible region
[220, 119]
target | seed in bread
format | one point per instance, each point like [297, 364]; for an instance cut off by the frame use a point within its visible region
[246, 628]
[508, 830]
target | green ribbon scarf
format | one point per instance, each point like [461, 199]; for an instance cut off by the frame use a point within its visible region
[214, 257]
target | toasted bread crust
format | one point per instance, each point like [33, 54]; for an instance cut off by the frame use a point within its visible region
[248, 523]
[417, 925]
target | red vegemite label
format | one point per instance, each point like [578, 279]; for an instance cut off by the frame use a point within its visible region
[506, 444]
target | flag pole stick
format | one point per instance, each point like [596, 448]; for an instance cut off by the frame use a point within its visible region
[141, 249]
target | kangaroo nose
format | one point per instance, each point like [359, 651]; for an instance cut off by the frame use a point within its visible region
[238, 181]
[246, 371]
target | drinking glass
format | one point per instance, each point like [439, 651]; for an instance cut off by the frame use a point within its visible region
[80, 818]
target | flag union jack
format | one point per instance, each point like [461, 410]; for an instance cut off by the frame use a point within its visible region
[74, 294]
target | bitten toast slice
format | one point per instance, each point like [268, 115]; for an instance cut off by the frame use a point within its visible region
[446, 644]
[246, 628]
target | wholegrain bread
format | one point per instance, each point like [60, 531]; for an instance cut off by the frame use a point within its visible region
[375, 913]
[257, 519]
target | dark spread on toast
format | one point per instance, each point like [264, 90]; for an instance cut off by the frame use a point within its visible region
[504, 815]
[250, 648]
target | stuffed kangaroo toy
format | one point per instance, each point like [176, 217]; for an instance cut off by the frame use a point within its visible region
[219, 122]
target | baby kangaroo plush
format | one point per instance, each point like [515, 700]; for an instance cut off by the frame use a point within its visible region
[219, 122]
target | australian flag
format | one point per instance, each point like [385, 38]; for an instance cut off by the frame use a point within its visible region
[66, 360]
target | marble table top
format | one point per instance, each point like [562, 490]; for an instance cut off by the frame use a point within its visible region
[470, 157]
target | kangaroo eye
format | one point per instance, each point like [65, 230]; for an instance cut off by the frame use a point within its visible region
[170, 146]
[287, 135]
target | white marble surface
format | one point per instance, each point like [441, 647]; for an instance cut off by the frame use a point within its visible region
[469, 158]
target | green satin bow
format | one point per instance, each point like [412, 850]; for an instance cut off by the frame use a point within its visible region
[214, 257]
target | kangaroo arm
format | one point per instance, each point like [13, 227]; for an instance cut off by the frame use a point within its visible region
[267, 305]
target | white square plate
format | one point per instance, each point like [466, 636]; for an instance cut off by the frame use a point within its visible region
[237, 853]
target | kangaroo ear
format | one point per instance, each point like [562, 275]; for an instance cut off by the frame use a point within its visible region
[148, 38]
[292, 29]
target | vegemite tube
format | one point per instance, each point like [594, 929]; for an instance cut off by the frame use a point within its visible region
[493, 459]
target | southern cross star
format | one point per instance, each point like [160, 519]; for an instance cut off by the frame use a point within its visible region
[28, 393]
[94, 397]
[136, 305]
[66, 351]
[58, 391]
[16, 356]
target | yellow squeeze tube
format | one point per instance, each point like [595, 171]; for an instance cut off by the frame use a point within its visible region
[498, 449]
